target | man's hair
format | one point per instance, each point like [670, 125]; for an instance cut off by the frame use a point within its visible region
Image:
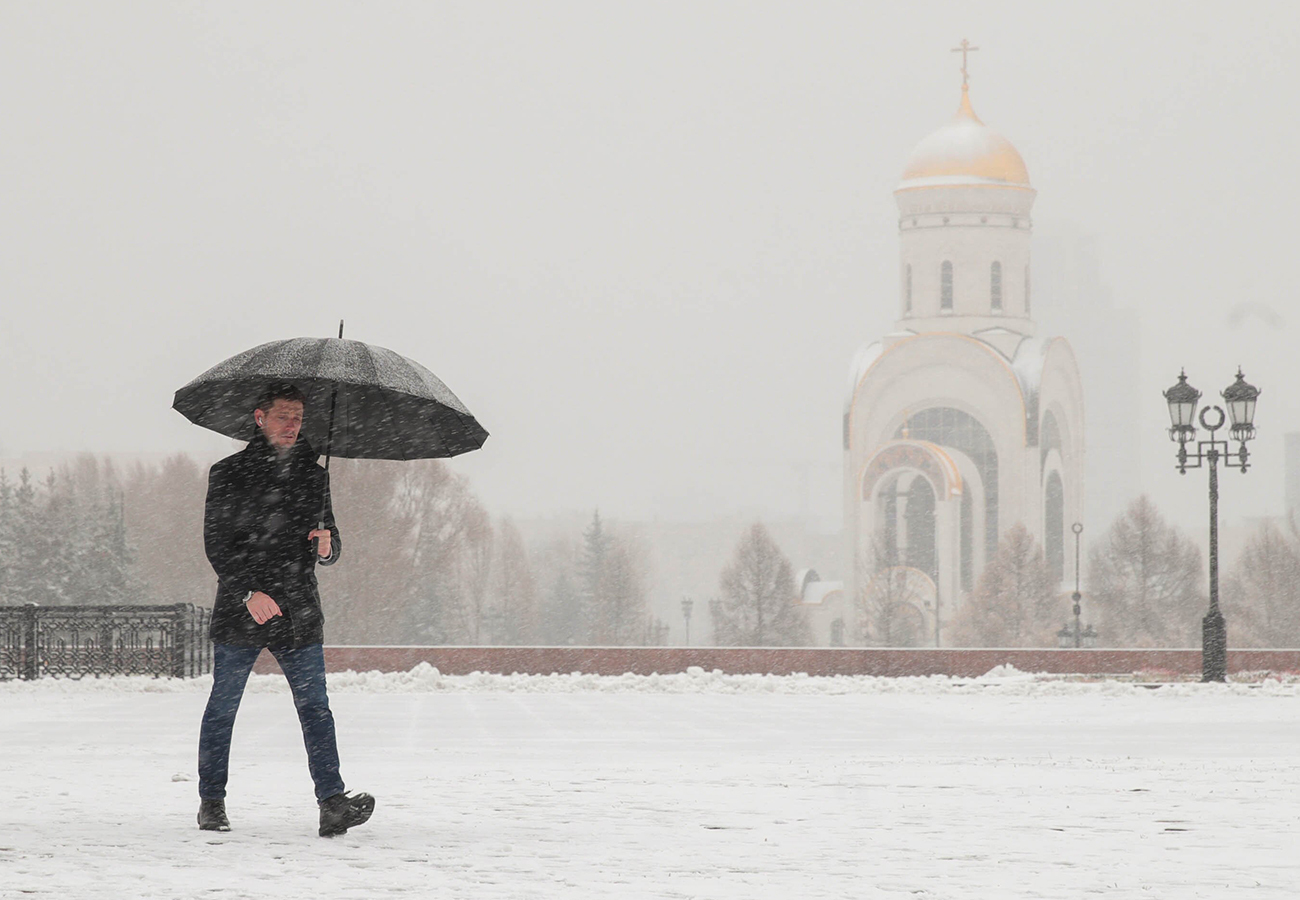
[280, 391]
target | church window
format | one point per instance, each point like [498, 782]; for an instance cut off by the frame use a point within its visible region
[907, 291]
[1049, 437]
[1026, 291]
[945, 287]
[995, 287]
[1054, 526]
[949, 427]
[919, 515]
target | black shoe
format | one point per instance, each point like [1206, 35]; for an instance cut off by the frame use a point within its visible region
[341, 812]
[212, 816]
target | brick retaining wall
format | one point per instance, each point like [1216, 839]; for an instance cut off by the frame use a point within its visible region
[784, 661]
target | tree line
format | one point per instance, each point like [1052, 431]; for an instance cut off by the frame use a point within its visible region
[427, 564]
[1145, 586]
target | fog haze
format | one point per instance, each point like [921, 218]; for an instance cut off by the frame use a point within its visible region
[641, 243]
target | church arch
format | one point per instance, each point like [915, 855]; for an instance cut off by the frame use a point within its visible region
[979, 380]
[945, 286]
[954, 428]
[926, 460]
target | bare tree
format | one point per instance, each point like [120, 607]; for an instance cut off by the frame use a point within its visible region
[514, 616]
[1146, 581]
[623, 602]
[890, 597]
[1261, 597]
[758, 606]
[163, 511]
[1015, 602]
[405, 530]
[476, 571]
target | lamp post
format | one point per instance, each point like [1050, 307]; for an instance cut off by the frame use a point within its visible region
[687, 604]
[1078, 636]
[1240, 398]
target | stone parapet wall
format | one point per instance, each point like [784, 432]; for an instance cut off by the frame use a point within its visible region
[785, 661]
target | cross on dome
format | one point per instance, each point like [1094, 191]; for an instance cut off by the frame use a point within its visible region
[964, 49]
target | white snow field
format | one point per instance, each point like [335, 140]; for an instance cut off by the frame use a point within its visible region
[686, 786]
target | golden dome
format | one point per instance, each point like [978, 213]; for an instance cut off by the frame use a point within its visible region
[965, 152]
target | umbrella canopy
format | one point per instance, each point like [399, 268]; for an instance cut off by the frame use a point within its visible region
[382, 405]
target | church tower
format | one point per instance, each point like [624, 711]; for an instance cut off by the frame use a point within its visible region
[964, 226]
[962, 422]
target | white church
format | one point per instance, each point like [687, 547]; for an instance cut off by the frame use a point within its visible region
[963, 421]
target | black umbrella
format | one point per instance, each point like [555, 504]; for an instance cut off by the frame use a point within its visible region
[383, 405]
[363, 401]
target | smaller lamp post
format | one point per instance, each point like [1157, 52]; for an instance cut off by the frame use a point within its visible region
[1075, 637]
[1240, 398]
[687, 605]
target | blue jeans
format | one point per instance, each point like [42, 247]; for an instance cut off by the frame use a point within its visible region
[305, 670]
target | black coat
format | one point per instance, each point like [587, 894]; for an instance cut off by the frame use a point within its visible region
[255, 525]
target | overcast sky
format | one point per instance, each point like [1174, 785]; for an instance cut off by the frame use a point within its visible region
[640, 241]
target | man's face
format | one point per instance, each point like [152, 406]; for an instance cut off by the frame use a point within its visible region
[281, 423]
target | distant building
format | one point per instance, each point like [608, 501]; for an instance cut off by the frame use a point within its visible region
[1292, 476]
[1076, 301]
[963, 421]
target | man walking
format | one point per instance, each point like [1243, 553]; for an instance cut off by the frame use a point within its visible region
[261, 536]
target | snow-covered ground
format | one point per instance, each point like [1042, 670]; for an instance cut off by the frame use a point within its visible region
[679, 786]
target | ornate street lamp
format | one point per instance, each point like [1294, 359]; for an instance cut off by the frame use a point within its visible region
[1182, 398]
[687, 604]
[1240, 398]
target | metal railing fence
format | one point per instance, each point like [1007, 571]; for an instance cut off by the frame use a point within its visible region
[76, 641]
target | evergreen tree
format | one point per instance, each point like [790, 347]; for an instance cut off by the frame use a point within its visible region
[52, 557]
[22, 572]
[562, 623]
[758, 606]
[8, 535]
[591, 573]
